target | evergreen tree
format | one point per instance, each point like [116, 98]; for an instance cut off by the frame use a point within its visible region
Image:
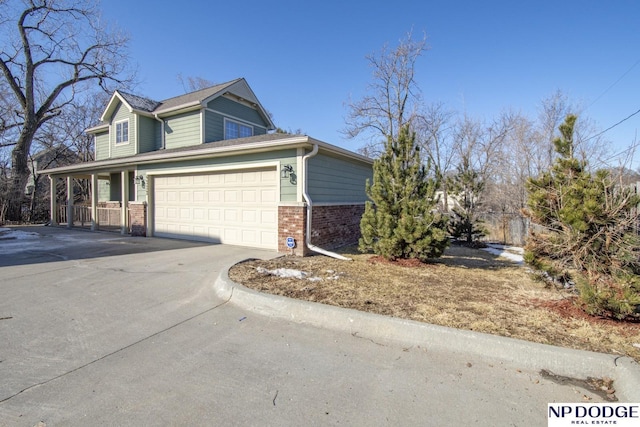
[401, 220]
[466, 186]
[588, 232]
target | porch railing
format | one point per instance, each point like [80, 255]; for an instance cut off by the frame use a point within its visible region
[108, 218]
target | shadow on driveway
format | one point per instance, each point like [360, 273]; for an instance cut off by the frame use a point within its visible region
[35, 244]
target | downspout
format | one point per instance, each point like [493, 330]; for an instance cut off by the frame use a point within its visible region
[307, 199]
[162, 146]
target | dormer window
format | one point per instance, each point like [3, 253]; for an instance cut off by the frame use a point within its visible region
[233, 129]
[122, 132]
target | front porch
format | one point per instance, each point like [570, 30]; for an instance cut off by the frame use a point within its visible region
[125, 215]
[108, 218]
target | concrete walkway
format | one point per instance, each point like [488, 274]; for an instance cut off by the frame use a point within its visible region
[147, 335]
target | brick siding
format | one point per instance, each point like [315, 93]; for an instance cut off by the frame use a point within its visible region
[138, 218]
[292, 222]
[335, 226]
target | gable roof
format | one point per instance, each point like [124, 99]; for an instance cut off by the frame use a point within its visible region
[192, 100]
[138, 102]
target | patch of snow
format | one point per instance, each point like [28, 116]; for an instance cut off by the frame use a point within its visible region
[15, 241]
[514, 249]
[512, 253]
[11, 234]
[283, 272]
[288, 273]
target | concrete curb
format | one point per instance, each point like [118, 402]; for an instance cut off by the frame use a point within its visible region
[509, 351]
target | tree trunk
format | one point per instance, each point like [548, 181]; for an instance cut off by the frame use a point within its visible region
[19, 174]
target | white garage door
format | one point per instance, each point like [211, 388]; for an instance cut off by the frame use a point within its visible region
[237, 208]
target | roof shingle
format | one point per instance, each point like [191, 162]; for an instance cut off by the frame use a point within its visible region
[139, 103]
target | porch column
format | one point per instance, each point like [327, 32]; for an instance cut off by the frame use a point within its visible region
[124, 178]
[69, 202]
[94, 202]
[53, 191]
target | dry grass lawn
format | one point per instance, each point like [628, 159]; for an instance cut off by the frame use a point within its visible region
[466, 289]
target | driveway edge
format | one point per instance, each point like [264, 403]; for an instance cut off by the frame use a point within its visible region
[378, 328]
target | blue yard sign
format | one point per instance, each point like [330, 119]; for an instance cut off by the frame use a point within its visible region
[291, 243]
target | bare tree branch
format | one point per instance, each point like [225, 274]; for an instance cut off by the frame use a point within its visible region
[51, 38]
[393, 98]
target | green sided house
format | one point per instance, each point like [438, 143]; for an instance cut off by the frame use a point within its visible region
[204, 166]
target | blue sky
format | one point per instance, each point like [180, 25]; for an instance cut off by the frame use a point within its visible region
[305, 59]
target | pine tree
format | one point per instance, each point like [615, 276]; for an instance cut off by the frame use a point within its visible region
[401, 220]
[466, 185]
[588, 232]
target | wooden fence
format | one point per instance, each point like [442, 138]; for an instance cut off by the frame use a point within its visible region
[508, 228]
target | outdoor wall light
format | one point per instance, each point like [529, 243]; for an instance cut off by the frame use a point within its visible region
[285, 171]
[140, 179]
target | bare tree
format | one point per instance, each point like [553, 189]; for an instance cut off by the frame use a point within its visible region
[435, 127]
[50, 48]
[518, 161]
[551, 113]
[590, 146]
[192, 84]
[393, 98]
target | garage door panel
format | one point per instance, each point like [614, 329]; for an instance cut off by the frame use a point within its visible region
[199, 214]
[249, 236]
[230, 235]
[215, 215]
[238, 207]
[250, 178]
[268, 176]
[269, 237]
[172, 196]
[230, 178]
[231, 196]
[214, 196]
[230, 215]
[269, 217]
[249, 196]
[198, 197]
[249, 216]
[185, 196]
[214, 234]
[268, 196]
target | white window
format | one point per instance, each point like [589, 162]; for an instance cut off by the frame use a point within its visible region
[122, 132]
[234, 130]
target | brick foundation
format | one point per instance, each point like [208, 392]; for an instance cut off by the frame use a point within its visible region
[335, 226]
[138, 218]
[332, 227]
[292, 222]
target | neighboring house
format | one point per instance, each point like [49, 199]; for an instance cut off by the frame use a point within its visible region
[37, 188]
[203, 166]
[47, 158]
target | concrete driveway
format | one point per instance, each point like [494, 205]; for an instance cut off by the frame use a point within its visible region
[112, 330]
